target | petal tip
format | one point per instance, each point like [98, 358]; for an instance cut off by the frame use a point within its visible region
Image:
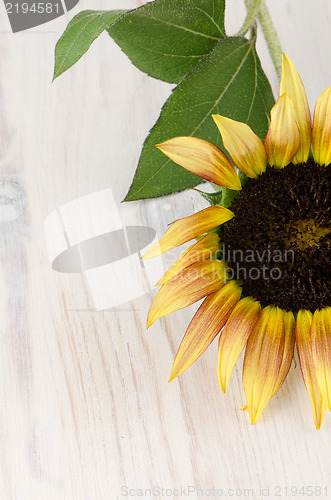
[150, 321]
[152, 252]
[222, 386]
[236, 184]
[254, 419]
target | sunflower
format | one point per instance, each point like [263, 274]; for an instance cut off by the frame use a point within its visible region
[261, 263]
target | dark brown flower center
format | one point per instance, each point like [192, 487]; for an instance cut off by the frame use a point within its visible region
[279, 242]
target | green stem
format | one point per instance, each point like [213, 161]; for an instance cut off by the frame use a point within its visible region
[253, 7]
[259, 9]
[271, 37]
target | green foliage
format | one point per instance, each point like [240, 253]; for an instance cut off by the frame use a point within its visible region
[167, 38]
[184, 42]
[82, 30]
[230, 82]
[212, 198]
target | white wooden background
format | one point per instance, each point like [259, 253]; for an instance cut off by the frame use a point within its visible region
[85, 407]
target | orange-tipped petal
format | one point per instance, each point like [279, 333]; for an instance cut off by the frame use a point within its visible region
[263, 359]
[205, 325]
[291, 83]
[245, 148]
[202, 158]
[321, 349]
[321, 134]
[204, 249]
[190, 285]
[234, 337]
[304, 345]
[184, 230]
[283, 138]
[289, 343]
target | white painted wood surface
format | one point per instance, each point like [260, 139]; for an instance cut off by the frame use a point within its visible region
[85, 407]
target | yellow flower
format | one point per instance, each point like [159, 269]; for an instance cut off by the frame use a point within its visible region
[262, 264]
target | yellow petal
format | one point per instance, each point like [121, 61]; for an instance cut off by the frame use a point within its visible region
[283, 137]
[204, 249]
[304, 345]
[205, 325]
[234, 337]
[202, 158]
[289, 323]
[291, 83]
[321, 349]
[190, 285]
[184, 230]
[263, 359]
[321, 134]
[245, 148]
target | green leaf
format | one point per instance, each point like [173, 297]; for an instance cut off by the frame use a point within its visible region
[212, 198]
[167, 38]
[82, 30]
[228, 196]
[230, 82]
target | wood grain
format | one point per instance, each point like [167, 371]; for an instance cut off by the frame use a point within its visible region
[85, 407]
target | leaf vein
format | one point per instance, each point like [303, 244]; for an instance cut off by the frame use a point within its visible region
[211, 18]
[179, 26]
[74, 41]
[255, 87]
[226, 87]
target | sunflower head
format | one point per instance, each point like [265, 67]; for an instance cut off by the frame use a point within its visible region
[261, 264]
